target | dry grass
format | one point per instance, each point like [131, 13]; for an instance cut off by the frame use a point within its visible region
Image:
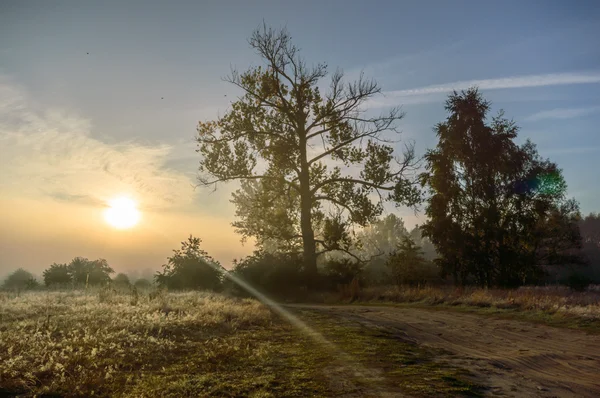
[583, 308]
[81, 344]
[109, 343]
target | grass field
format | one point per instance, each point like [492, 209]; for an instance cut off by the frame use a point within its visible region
[198, 344]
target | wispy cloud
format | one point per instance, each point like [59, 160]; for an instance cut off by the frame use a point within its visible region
[421, 93]
[569, 151]
[51, 153]
[564, 113]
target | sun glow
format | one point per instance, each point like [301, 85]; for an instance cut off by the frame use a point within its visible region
[122, 213]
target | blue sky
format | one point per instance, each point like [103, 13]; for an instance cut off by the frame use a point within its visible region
[100, 97]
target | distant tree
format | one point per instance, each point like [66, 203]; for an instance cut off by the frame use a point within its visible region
[20, 280]
[142, 284]
[190, 268]
[57, 274]
[86, 272]
[408, 266]
[291, 147]
[416, 234]
[375, 243]
[498, 212]
[121, 280]
[382, 236]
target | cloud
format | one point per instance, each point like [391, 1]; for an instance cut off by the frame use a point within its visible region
[569, 151]
[421, 94]
[52, 153]
[563, 113]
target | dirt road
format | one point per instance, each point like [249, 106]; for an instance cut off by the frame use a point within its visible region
[512, 358]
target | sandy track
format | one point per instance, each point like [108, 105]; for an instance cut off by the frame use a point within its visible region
[512, 358]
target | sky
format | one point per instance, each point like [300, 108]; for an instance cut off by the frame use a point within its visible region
[101, 99]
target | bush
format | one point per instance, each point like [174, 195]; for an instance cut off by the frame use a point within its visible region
[578, 281]
[190, 268]
[340, 272]
[273, 273]
[408, 266]
[20, 280]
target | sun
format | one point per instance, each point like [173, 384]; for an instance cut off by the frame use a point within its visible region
[122, 213]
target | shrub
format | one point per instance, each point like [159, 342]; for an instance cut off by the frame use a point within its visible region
[338, 272]
[274, 273]
[190, 268]
[578, 281]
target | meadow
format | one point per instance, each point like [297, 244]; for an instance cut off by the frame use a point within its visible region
[148, 344]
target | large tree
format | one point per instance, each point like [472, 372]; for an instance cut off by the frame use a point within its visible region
[311, 164]
[498, 212]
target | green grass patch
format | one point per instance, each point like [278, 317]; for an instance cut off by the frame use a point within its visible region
[402, 365]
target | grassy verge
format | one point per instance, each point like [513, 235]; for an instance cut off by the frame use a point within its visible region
[554, 306]
[195, 344]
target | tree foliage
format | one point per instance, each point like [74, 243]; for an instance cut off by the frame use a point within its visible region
[408, 266]
[590, 234]
[20, 280]
[121, 280]
[142, 284]
[293, 149]
[57, 275]
[277, 274]
[497, 211]
[86, 272]
[190, 268]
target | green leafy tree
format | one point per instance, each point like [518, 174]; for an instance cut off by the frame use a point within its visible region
[190, 268]
[57, 275]
[408, 266]
[20, 280]
[498, 212]
[86, 272]
[309, 163]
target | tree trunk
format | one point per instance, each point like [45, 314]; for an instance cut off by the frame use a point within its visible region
[306, 202]
[308, 240]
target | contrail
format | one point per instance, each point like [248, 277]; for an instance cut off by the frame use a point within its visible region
[555, 79]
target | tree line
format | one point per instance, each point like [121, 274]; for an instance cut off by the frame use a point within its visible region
[315, 166]
[79, 273]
